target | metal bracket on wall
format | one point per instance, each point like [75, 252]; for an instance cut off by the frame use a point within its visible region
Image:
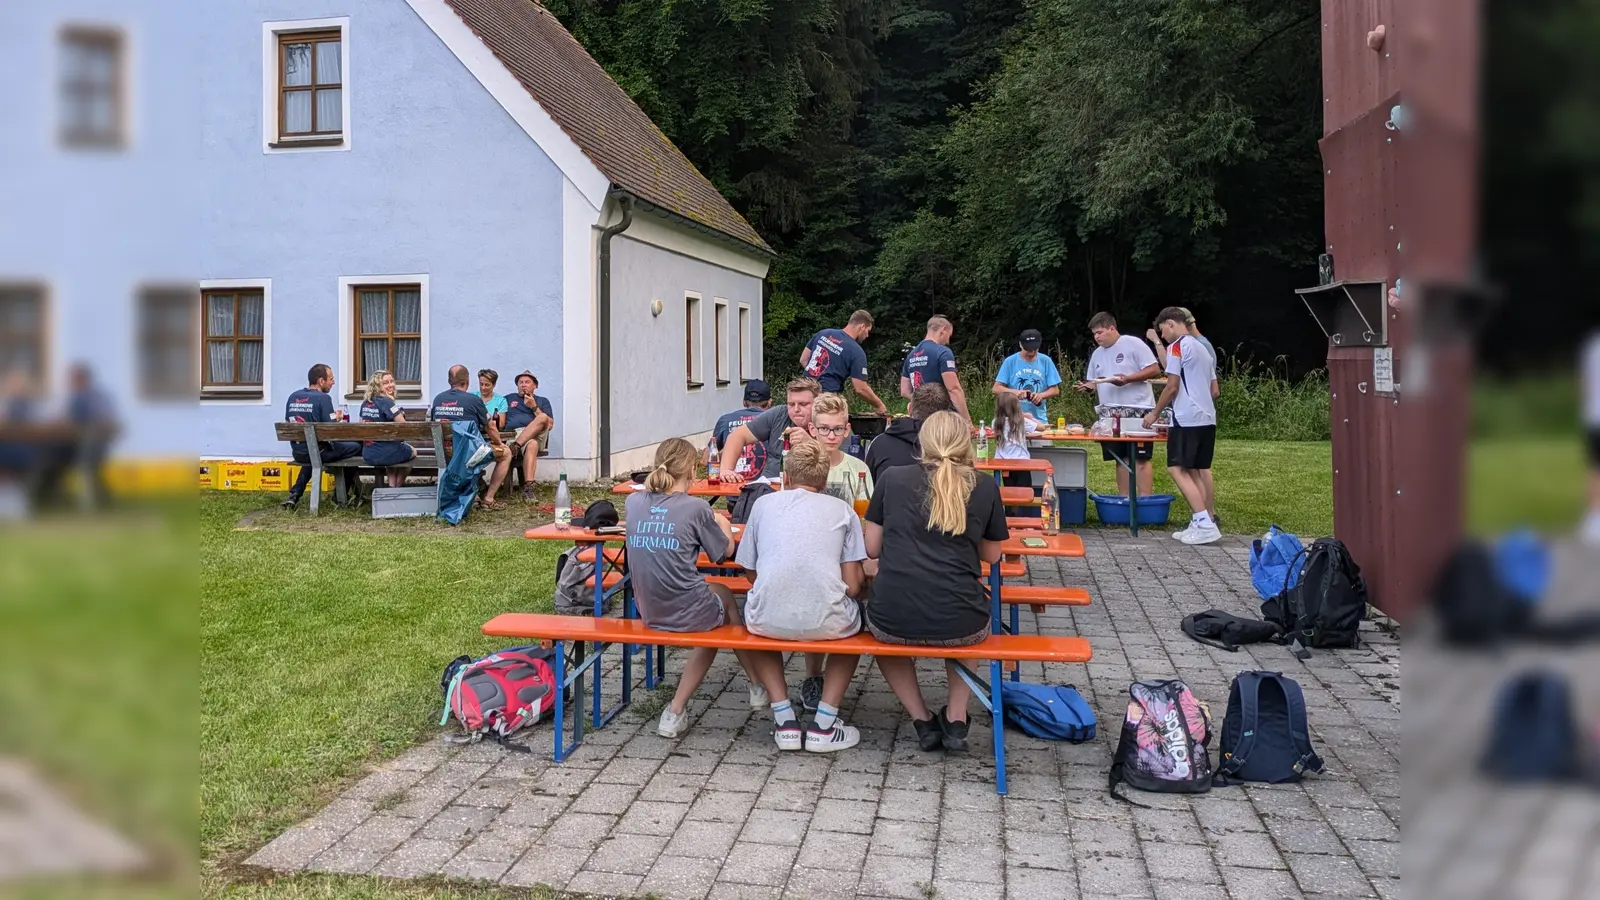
[1346, 310]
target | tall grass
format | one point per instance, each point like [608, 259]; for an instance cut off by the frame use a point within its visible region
[1257, 402]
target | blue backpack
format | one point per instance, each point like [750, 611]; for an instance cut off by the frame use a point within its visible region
[1274, 562]
[1534, 735]
[1049, 712]
[1264, 733]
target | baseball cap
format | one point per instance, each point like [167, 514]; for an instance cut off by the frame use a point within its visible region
[1031, 339]
[756, 391]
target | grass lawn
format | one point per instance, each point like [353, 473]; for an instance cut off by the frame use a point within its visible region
[321, 645]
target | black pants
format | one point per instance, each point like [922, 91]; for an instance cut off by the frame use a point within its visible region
[331, 451]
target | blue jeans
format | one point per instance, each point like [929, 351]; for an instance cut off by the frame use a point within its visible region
[331, 451]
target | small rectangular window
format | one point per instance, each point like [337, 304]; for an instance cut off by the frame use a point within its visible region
[721, 350]
[746, 358]
[233, 343]
[388, 335]
[166, 343]
[691, 340]
[22, 329]
[91, 87]
[310, 86]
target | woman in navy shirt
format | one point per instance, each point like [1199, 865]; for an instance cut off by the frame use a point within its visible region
[380, 407]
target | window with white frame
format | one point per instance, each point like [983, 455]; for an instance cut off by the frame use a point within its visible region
[747, 360]
[233, 342]
[692, 343]
[720, 317]
[307, 84]
[166, 342]
[24, 342]
[92, 87]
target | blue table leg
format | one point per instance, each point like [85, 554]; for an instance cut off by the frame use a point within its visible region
[1133, 489]
[562, 752]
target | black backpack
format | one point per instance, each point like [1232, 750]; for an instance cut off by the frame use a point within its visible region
[1534, 736]
[739, 512]
[1264, 733]
[1326, 607]
[1227, 631]
[1477, 609]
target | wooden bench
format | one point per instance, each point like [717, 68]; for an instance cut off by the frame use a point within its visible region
[584, 629]
[431, 440]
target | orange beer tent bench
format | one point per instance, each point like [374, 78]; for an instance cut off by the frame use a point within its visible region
[584, 629]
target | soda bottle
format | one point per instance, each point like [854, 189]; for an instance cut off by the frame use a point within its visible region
[1116, 426]
[983, 442]
[563, 504]
[1052, 505]
[713, 476]
[862, 496]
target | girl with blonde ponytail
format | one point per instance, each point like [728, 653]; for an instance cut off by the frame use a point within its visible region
[930, 526]
[667, 531]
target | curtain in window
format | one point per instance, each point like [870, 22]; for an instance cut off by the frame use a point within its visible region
[297, 112]
[408, 312]
[374, 312]
[328, 63]
[219, 315]
[219, 362]
[408, 359]
[374, 356]
[296, 65]
[330, 110]
[250, 315]
[250, 361]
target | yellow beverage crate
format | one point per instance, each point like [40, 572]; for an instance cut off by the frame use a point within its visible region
[294, 473]
[274, 477]
[238, 476]
[208, 477]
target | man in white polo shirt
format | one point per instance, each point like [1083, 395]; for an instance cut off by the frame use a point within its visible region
[1191, 373]
[1132, 363]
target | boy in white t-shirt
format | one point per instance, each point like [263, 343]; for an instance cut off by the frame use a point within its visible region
[1192, 440]
[1132, 364]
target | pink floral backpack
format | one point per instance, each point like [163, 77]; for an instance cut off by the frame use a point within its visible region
[1164, 739]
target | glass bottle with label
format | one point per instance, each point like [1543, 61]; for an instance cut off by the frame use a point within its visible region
[862, 496]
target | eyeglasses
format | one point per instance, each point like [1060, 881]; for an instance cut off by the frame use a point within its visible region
[830, 429]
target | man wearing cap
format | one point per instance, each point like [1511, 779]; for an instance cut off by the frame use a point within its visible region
[834, 356]
[757, 400]
[1029, 374]
[529, 415]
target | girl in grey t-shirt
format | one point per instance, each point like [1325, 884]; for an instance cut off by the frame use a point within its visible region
[667, 531]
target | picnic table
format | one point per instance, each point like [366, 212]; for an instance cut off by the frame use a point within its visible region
[1053, 436]
[84, 442]
[1005, 644]
[700, 488]
[431, 440]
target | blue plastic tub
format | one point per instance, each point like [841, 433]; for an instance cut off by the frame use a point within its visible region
[1113, 510]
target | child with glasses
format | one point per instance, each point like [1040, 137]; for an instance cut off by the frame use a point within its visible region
[848, 477]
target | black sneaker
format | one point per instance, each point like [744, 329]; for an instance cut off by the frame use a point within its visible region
[954, 734]
[527, 493]
[290, 503]
[929, 737]
[811, 693]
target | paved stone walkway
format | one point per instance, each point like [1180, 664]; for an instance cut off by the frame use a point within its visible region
[721, 813]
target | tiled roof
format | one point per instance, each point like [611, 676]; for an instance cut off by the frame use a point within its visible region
[599, 116]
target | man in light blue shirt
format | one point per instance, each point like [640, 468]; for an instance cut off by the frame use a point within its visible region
[1030, 375]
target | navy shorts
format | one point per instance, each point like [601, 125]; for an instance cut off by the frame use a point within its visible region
[388, 453]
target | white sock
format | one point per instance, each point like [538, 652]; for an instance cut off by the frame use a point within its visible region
[1204, 519]
[783, 712]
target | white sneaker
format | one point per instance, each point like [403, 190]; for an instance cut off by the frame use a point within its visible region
[789, 735]
[758, 697]
[673, 724]
[839, 737]
[1178, 535]
[1201, 534]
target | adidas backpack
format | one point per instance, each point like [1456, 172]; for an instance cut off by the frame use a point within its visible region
[1264, 732]
[1163, 743]
[500, 694]
[1326, 607]
[1049, 712]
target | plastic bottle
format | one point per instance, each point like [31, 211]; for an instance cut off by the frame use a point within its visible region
[1116, 426]
[713, 476]
[563, 504]
[983, 442]
[1052, 505]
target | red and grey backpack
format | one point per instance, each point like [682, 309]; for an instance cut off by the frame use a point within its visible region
[498, 695]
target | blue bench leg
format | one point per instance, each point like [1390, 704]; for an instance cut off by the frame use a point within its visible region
[998, 717]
